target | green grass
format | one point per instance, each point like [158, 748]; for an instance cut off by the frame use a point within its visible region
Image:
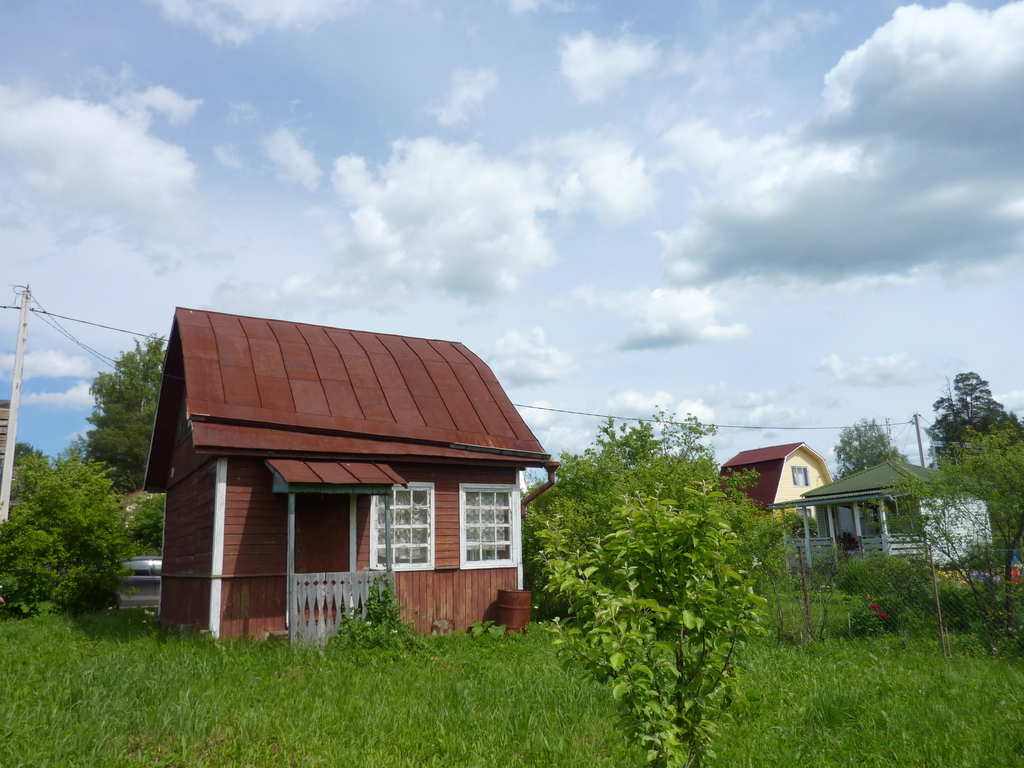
[107, 690]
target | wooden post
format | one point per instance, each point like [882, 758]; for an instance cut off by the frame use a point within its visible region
[943, 640]
[12, 416]
[885, 526]
[290, 587]
[807, 534]
[388, 555]
[857, 530]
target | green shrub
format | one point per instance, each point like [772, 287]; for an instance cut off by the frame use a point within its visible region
[65, 541]
[659, 611]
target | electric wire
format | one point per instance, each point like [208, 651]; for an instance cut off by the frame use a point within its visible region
[42, 311]
[46, 318]
[652, 421]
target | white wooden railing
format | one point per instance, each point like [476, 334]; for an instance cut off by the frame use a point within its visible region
[893, 544]
[320, 601]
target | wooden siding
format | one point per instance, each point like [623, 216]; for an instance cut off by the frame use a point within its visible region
[255, 552]
[816, 470]
[458, 597]
[251, 607]
[188, 544]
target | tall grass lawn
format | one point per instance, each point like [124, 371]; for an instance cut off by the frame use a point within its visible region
[111, 690]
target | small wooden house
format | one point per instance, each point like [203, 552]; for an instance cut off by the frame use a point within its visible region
[783, 472]
[299, 459]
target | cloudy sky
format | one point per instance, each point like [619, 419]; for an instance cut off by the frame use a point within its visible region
[767, 214]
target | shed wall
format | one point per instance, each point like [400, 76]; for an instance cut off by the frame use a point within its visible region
[188, 540]
[255, 552]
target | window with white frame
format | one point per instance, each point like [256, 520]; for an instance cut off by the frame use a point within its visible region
[490, 525]
[412, 528]
[801, 476]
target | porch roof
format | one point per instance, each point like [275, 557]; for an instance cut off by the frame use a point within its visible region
[875, 482]
[296, 475]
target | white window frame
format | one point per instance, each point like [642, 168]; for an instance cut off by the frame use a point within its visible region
[377, 509]
[516, 550]
[806, 472]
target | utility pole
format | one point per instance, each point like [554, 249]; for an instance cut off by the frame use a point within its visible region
[920, 443]
[12, 422]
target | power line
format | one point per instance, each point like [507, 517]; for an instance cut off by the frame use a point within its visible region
[45, 316]
[42, 311]
[652, 421]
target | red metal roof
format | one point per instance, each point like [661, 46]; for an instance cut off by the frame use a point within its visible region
[757, 455]
[766, 486]
[336, 472]
[278, 386]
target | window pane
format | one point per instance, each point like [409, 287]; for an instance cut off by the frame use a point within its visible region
[488, 525]
[420, 498]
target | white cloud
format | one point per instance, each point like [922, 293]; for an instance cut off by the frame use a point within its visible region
[443, 217]
[775, 416]
[237, 21]
[604, 175]
[524, 6]
[887, 371]
[176, 108]
[229, 156]
[527, 358]
[916, 159]
[96, 158]
[48, 363]
[295, 165]
[944, 73]
[468, 90]
[665, 317]
[1013, 401]
[76, 398]
[636, 405]
[596, 66]
[242, 112]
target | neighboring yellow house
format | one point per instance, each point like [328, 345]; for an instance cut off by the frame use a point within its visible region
[783, 472]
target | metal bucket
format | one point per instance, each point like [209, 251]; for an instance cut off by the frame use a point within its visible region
[514, 609]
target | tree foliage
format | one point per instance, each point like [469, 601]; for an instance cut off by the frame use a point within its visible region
[662, 458]
[658, 608]
[65, 540]
[975, 513]
[122, 420]
[862, 446]
[144, 516]
[967, 409]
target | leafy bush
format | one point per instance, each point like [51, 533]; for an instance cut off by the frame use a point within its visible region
[662, 459]
[658, 610]
[65, 541]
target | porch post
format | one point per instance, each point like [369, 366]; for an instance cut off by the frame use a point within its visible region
[353, 550]
[388, 561]
[855, 508]
[290, 587]
[807, 535]
[885, 527]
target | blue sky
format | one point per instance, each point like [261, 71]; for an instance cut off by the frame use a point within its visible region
[768, 215]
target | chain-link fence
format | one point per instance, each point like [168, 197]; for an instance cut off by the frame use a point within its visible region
[974, 604]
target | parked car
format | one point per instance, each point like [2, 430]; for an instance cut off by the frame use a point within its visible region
[142, 588]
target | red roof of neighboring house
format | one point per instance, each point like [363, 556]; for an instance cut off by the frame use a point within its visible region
[758, 455]
[768, 463]
[273, 386]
